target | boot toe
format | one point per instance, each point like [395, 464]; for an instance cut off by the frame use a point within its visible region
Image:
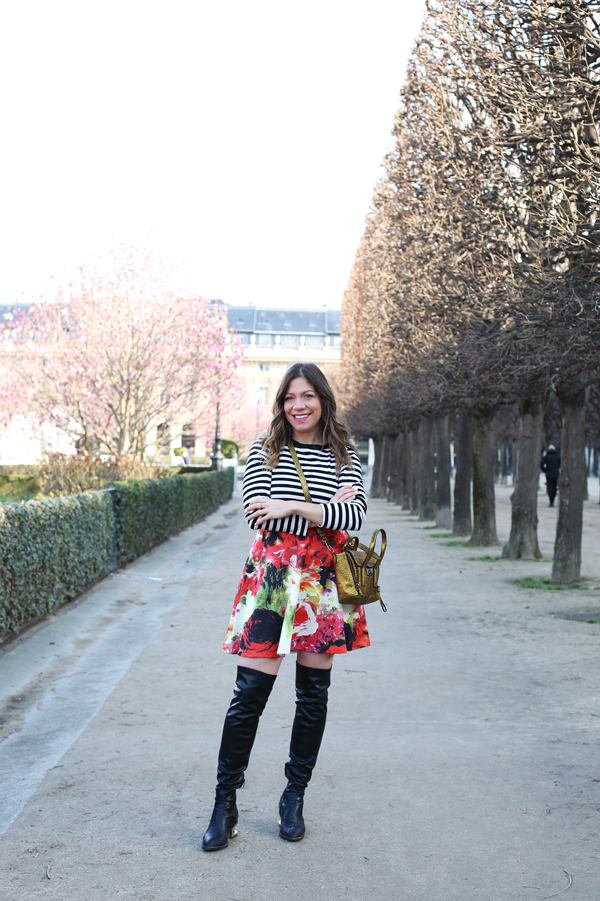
[222, 827]
[291, 821]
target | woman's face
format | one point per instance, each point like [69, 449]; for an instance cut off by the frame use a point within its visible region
[302, 408]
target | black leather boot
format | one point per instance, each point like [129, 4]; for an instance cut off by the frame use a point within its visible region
[309, 724]
[251, 693]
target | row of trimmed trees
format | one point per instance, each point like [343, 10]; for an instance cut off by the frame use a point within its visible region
[476, 283]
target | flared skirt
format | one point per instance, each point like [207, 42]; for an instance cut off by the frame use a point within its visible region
[287, 600]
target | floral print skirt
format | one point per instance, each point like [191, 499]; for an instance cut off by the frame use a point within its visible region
[287, 600]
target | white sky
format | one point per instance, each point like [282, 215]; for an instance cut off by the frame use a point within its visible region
[243, 138]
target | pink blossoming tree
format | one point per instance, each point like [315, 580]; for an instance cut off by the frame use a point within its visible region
[117, 353]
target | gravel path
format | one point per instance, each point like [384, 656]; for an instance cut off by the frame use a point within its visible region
[460, 759]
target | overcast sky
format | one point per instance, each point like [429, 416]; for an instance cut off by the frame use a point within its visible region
[242, 138]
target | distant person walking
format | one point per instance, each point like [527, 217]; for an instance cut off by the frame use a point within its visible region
[550, 466]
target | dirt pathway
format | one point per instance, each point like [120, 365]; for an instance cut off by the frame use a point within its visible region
[460, 759]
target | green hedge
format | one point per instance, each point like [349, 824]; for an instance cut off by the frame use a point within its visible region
[52, 550]
[149, 510]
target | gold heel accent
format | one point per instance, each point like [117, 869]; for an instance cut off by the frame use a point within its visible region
[234, 831]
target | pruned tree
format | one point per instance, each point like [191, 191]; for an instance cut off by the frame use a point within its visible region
[482, 248]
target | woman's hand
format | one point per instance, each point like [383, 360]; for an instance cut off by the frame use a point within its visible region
[263, 509]
[344, 495]
[269, 509]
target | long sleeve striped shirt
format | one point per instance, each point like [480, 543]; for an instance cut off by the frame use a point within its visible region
[283, 483]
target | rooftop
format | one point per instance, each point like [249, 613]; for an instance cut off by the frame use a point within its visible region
[264, 319]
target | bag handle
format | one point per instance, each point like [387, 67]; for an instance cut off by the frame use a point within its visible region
[371, 550]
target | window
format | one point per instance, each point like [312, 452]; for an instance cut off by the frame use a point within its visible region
[188, 436]
[163, 437]
[163, 434]
[314, 340]
[263, 396]
[336, 340]
[264, 339]
[264, 367]
[244, 337]
[290, 340]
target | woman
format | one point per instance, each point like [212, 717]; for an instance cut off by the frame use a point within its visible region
[287, 599]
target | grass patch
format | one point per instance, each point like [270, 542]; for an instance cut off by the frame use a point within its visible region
[548, 585]
[455, 543]
[441, 534]
[540, 584]
[428, 528]
[486, 559]
[577, 619]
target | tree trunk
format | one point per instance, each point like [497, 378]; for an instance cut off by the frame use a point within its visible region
[461, 522]
[567, 546]
[443, 497]
[504, 463]
[400, 493]
[375, 487]
[387, 457]
[384, 467]
[484, 467]
[510, 453]
[393, 468]
[414, 467]
[407, 468]
[523, 541]
[426, 469]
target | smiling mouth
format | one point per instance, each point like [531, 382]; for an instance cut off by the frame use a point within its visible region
[301, 417]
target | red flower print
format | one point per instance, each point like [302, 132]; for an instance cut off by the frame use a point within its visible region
[284, 569]
[255, 580]
[359, 629]
[281, 555]
[258, 637]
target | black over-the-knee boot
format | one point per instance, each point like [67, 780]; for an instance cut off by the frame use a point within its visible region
[251, 693]
[309, 724]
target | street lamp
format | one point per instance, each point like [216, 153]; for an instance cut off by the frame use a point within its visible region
[216, 458]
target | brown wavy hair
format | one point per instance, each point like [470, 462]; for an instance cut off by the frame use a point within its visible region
[334, 432]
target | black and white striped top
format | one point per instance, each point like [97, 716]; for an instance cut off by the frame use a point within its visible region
[283, 483]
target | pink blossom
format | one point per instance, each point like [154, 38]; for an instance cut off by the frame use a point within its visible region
[117, 351]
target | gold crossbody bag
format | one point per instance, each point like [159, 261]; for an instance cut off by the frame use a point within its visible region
[356, 566]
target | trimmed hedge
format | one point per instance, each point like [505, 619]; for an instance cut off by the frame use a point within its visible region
[149, 510]
[52, 550]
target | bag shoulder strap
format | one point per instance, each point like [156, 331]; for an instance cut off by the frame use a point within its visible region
[307, 496]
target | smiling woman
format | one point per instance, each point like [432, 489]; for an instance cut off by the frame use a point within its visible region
[287, 599]
[302, 409]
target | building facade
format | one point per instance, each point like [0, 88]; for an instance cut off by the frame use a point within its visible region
[273, 339]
